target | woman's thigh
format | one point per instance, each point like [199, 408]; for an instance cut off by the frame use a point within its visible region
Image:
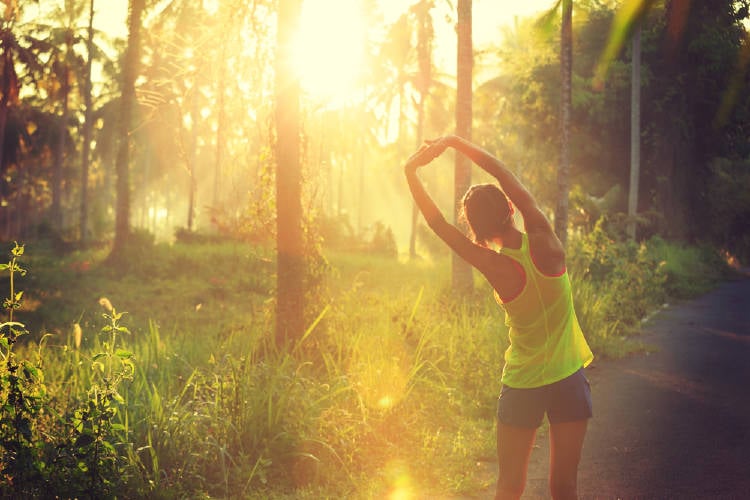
[566, 443]
[513, 450]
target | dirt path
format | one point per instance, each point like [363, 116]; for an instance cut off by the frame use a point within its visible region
[674, 423]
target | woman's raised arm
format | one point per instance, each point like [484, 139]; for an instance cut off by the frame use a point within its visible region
[476, 255]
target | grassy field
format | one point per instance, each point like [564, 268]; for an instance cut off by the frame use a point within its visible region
[391, 391]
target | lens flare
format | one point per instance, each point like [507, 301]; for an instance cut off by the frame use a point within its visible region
[381, 369]
[400, 480]
[329, 49]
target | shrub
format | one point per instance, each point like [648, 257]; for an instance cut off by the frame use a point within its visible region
[337, 233]
[626, 279]
[382, 241]
[23, 396]
[728, 202]
[690, 271]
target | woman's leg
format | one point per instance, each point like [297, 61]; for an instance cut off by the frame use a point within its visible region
[566, 443]
[513, 451]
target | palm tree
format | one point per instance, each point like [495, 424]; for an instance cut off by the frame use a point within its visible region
[87, 127]
[566, 69]
[425, 35]
[17, 50]
[64, 67]
[20, 60]
[127, 102]
[9, 85]
[635, 131]
[289, 236]
[462, 276]
[229, 19]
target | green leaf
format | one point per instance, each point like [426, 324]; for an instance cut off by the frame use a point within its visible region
[30, 372]
[98, 355]
[123, 354]
[12, 324]
[131, 368]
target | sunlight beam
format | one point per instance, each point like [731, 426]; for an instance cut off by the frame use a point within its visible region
[329, 49]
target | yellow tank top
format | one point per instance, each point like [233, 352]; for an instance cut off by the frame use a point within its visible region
[546, 341]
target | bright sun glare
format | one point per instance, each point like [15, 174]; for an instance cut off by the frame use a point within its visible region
[329, 49]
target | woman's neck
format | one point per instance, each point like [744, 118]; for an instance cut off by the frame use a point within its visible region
[511, 238]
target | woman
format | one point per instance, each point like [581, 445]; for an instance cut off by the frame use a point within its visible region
[543, 372]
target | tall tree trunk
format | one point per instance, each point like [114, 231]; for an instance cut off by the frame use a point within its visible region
[87, 127]
[425, 35]
[566, 70]
[193, 159]
[361, 198]
[9, 86]
[462, 275]
[127, 102]
[59, 155]
[221, 119]
[414, 208]
[289, 237]
[635, 132]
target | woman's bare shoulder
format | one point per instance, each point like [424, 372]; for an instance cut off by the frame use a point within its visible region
[547, 252]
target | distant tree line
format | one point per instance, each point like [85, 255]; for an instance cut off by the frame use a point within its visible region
[201, 151]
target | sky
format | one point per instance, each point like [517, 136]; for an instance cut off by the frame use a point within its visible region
[488, 15]
[323, 35]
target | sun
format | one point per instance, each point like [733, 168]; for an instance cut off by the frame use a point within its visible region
[329, 49]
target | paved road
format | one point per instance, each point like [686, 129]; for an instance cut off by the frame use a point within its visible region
[674, 423]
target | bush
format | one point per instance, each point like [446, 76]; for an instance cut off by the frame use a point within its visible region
[728, 202]
[690, 271]
[625, 279]
[382, 241]
[337, 233]
[395, 366]
[188, 237]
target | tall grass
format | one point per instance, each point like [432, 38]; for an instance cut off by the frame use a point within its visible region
[390, 391]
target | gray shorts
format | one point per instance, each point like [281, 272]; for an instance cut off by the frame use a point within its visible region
[567, 400]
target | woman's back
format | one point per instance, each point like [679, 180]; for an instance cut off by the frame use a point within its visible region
[546, 341]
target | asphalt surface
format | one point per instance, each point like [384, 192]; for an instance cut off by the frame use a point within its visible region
[674, 423]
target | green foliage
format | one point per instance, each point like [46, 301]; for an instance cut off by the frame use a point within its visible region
[693, 110]
[337, 233]
[72, 453]
[393, 371]
[618, 284]
[628, 278]
[382, 241]
[89, 449]
[23, 396]
[728, 202]
[690, 270]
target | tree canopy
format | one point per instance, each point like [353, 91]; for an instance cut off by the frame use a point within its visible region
[202, 157]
